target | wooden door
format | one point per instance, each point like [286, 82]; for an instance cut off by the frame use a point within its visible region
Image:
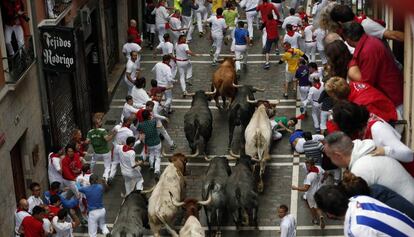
[18, 174]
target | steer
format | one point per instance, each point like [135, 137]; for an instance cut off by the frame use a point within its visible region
[223, 79]
[215, 183]
[161, 210]
[192, 226]
[241, 110]
[198, 121]
[132, 217]
[242, 201]
[258, 137]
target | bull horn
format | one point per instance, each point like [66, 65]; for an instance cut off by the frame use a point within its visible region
[193, 155]
[274, 102]
[190, 94]
[149, 190]
[206, 202]
[237, 86]
[255, 159]
[175, 203]
[211, 93]
[250, 101]
[258, 89]
[233, 155]
[166, 154]
[208, 159]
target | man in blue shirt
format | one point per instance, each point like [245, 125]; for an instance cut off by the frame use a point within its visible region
[69, 203]
[96, 216]
[241, 37]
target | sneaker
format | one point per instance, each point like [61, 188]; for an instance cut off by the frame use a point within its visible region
[214, 63]
[301, 117]
[285, 95]
[156, 176]
[151, 168]
[266, 65]
[189, 83]
[322, 222]
[212, 51]
[173, 147]
[251, 42]
[109, 182]
[317, 130]
[315, 222]
[277, 52]
[201, 34]
[302, 110]
[171, 111]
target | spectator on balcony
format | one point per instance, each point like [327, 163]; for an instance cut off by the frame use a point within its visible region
[133, 32]
[50, 8]
[13, 17]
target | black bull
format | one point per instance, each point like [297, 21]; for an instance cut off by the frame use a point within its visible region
[198, 121]
[241, 111]
[132, 217]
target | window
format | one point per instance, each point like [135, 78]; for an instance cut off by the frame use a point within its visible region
[16, 38]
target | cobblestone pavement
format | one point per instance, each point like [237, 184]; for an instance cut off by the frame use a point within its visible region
[282, 171]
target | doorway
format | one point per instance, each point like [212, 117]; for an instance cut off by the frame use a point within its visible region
[17, 169]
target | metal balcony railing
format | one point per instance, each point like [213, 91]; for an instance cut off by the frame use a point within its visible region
[56, 7]
[20, 61]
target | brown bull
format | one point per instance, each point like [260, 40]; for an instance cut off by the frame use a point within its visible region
[223, 79]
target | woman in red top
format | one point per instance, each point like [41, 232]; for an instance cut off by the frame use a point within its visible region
[132, 30]
[71, 167]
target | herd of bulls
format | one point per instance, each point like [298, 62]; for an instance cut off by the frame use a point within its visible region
[224, 190]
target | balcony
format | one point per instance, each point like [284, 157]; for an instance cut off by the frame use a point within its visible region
[56, 10]
[20, 62]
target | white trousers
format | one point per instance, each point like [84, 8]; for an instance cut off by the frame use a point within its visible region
[185, 68]
[133, 181]
[240, 51]
[188, 23]
[303, 92]
[250, 15]
[18, 32]
[264, 37]
[310, 49]
[201, 15]
[168, 99]
[323, 56]
[173, 68]
[150, 28]
[217, 42]
[324, 118]
[164, 133]
[161, 31]
[155, 157]
[279, 7]
[97, 218]
[316, 114]
[114, 164]
[107, 163]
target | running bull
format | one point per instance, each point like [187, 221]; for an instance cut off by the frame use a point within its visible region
[223, 79]
[132, 217]
[198, 121]
[241, 110]
[161, 210]
[242, 201]
[214, 183]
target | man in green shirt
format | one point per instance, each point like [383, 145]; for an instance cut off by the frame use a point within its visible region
[280, 124]
[98, 137]
[230, 16]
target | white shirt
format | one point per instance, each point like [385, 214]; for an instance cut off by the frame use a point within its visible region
[292, 20]
[161, 15]
[218, 25]
[319, 35]
[54, 168]
[83, 180]
[317, 74]
[293, 40]
[156, 113]
[163, 74]
[166, 48]
[139, 96]
[122, 134]
[314, 94]
[175, 24]
[308, 34]
[201, 5]
[181, 51]
[127, 111]
[369, 217]
[18, 218]
[34, 201]
[373, 28]
[381, 170]
[131, 47]
[127, 160]
[288, 226]
[314, 180]
[63, 229]
[131, 68]
[249, 4]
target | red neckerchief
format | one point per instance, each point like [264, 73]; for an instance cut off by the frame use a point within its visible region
[52, 193]
[175, 16]
[313, 169]
[219, 17]
[54, 155]
[317, 85]
[290, 33]
[360, 18]
[126, 148]
[19, 210]
[161, 4]
[167, 64]
[125, 126]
